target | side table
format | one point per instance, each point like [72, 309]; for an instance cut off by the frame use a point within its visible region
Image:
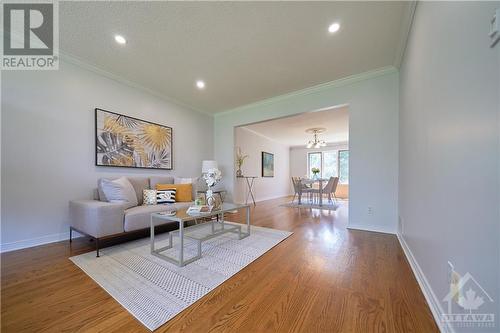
[249, 181]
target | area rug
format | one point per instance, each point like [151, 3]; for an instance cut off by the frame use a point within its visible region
[305, 204]
[153, 290]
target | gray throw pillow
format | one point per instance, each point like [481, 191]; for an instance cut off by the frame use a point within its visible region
[120, 191]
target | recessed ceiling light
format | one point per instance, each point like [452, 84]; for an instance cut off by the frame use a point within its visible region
[334, 27]
[120, 39]
[200, 84]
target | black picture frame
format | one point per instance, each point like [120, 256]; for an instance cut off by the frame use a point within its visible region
[265, 156]
[96, 110]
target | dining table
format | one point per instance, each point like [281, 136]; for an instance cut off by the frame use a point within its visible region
[311, 182]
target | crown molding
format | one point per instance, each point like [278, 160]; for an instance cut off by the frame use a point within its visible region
[74, 60]
[261, 135]
[315, 89]
[406, 24]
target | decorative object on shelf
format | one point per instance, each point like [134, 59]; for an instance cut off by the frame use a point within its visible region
[315, 172]
[316, 142]
[267, 164]
[211, 176]
[200, 199]
[199, 209]
[240, 159]
[219, 194]
[123, 141]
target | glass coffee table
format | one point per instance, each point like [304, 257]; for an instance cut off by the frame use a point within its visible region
[198, 232]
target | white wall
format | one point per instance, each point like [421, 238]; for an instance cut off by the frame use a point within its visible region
[299, 155]
[449, 145]
[253, 144]
[373, 125]
[48, 145]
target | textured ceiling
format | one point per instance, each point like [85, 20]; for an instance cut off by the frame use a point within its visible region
[245, 51]
[291, 131]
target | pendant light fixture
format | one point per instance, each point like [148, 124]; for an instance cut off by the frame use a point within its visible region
[316, 142]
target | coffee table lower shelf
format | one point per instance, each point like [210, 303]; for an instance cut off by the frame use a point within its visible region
[198, 232]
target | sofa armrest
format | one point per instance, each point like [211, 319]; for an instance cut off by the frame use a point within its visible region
[96, 218]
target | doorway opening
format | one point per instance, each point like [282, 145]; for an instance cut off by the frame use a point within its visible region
[271, 153]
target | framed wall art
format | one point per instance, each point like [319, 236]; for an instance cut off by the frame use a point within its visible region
[267, 164]
[123, 141]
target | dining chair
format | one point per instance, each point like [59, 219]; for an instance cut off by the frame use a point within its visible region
[330, 188]
[299, 188]
[295, 188]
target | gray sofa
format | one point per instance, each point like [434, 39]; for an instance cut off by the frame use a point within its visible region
[101, 219]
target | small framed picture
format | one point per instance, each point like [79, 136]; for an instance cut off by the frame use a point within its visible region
[267, 164]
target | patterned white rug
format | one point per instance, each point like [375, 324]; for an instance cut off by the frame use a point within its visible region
[153, 290]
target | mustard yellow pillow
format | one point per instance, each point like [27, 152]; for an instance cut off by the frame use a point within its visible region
[183, 191]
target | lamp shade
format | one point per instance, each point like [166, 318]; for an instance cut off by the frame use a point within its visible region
[207, 165]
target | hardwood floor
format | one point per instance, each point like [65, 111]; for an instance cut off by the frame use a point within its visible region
[324, 278]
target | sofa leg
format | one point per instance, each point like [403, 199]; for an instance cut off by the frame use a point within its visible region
[70, 234]
[97, 247]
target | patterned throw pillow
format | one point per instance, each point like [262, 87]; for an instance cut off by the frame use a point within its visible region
[149, 197]
[165, 196]
[183, 192]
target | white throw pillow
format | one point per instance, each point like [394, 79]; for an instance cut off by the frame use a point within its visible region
[120, 191]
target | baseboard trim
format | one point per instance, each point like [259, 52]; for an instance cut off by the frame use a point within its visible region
[430, 296]
[266, 198]
[273, 197]
[371, 229]
[27, 243]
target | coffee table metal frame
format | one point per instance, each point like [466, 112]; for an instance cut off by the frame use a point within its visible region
[184, 217]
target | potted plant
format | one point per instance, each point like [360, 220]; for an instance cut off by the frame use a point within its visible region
[315, 172]
[240, 158]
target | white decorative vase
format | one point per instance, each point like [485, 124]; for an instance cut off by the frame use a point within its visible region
[210, 198]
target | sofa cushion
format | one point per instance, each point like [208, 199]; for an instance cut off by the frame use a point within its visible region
[119, 191]
[139, 184]
[139, 217]
[153, 181]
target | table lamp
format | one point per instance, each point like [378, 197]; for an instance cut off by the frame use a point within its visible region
[207, 165]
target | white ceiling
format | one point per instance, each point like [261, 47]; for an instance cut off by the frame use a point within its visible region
[290, 131]
[245, 51]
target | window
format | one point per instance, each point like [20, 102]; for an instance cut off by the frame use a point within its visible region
[344, 166]
[331, 163]
[330, 168]
[314, 161]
